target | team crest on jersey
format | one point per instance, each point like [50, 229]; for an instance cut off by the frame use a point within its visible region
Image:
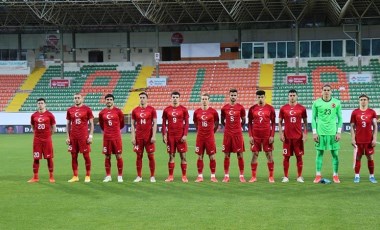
[333, 105]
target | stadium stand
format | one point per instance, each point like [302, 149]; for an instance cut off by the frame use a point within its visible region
[215, 78]
[9, 84]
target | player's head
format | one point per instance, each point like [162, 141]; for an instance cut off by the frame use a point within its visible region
[260, 97]
[233, 95]
[363, 101]
[78, 99]
[326, 92]
[143, 98]
[292, 96]
[109, 100]
[175, 98]
[205, 99]
[41, 104]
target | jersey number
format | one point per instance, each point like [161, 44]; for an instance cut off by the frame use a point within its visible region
[327, 111]
[109, 123]
[142, 121]
[364, 124]
[293, 119]
[78, 121]
[41, 126]
[204, 123]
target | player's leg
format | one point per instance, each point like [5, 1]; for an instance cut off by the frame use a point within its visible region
[335, 164]
[107, 166]
[270, 165]
[371, 164]
[286, 152]
[238, 147]
[87, 162]
[36, 162]
[183, 166]
[255, 148]
[226, 148]
[359, 154]
[50, 164]
[171, 165]
[213, 167]
[298, 152]
[241, 166]
[74, 167]
[268, 148]
[200, 166]
[48, 155]
[120, 166]
[138, 149]
[150, 149]
[320, 147]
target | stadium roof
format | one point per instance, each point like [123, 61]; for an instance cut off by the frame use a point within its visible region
[27, 16]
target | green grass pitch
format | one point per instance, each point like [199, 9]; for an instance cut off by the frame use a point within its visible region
[177, 205]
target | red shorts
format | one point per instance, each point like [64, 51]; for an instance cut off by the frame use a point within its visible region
[44, 149]
[233, 144]
[112, 147]
[205, 144]
[79, 146]
[141, 144]
[291, 146]
[261, 144]
[365, 149]
[175, 144]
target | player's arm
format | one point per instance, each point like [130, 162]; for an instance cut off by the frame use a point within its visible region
[353, 133]
[242, 116]
[68, 127]
[195, 121]
[223, 118]
[133, 132]
[101, 124]
[281, 134]
[185, 126]
[216, 121]
[304, 136]
[250, 125]
[314, 116]
[273, 125]
[163, 129]
[91, 135]
[53, 129]
[374, 128]
[154, 130]
[53, 124]
[340, 122]
[121, 119]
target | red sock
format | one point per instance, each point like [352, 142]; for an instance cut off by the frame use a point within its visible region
[74, 163]
[299, 165]
[200, 166]
[120, 165]
[50, 164]
[171, 168]
[87, 162]
[183, 168]
[285, 163]
[253, 169]
[36, 166]
[152, 164]
[271, 168]
[213, 166]
[226, 165]
[241, 165]
[139, 164]
[107, 165]
[357, 166]
[371, 166]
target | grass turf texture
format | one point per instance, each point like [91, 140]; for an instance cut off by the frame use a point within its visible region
[177, 205]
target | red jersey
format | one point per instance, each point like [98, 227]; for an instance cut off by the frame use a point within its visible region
[111, 121]
[144, 121]
[292, 117]
[205, 122]
[232, 115]
[177, 119]
[42, 124]
[78, 118]
[261, 121]
[363, 125]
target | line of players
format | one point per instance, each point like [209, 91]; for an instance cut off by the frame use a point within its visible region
[326, 125]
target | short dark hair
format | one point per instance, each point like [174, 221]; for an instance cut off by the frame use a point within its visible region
[176, 93]
[206, 95]
[260, 92]
[41, 99]
[233, 90]
[327, 85]
[364, 95]
[109, 95]
[293, 91]
[143, 93]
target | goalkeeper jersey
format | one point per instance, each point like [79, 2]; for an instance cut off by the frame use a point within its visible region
[326, 116]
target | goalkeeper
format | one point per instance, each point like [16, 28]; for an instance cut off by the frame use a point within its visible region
[327, 128]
